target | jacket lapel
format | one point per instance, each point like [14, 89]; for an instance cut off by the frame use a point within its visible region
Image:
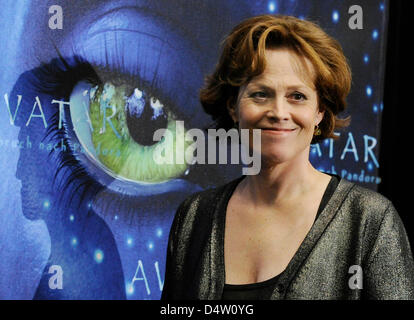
[216, 251]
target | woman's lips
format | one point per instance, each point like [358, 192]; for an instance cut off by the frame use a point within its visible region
[277, 131]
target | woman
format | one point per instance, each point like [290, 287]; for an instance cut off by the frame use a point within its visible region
[290, 232]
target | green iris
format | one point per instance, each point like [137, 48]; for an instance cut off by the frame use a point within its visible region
[113, 113]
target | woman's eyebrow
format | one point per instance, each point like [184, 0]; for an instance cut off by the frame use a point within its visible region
[259, 84]
[299, 87]
[263, 85]
[258, 87]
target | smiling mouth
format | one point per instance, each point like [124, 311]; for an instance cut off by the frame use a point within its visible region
[278, 130]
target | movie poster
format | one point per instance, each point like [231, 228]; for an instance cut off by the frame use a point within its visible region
[85, 211]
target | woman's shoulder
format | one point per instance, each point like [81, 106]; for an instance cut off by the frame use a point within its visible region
[365, 197]
[365, 203]
[372, 215]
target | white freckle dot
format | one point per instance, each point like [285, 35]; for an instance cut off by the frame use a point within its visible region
[129, 241]
[335, 16]
[129, 288]
[272, 6]
[159, 232]
[46, 204]
[369, 91]
[98, 255]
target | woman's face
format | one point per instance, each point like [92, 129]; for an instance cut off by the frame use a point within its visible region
[283, 103]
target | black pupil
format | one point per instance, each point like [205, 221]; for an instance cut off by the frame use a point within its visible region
[141, 128]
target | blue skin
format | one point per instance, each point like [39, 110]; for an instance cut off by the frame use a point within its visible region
[91, 219]
[171, 52]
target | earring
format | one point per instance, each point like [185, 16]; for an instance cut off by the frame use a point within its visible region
[317, 131]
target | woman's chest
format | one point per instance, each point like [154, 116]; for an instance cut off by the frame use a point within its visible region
[259, 243]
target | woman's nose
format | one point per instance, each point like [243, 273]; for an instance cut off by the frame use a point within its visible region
[278, 109]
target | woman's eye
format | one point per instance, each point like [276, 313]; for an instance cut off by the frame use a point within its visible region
[116, 126]
[297, 96]
[259, 95]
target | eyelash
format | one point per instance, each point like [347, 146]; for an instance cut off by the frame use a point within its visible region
[303, 97]
[255, 95]
[258, 96]
[58, 79]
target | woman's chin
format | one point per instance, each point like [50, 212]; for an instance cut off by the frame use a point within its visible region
[274, 158]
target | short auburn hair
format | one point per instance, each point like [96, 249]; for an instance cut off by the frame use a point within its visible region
[243, 57]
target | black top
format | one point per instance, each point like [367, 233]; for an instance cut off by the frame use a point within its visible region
[263, 290]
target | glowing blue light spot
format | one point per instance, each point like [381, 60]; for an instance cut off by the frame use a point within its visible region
[375, 108]
[369, 91]
[129, 288]
[335, 16]
[301, 17]
[382, 7]
[370, 166]
[90, 205]
[116, 217]
[272, 7]
[150, 245]
[375, 34]
[381, 106]
[159, 232]
[74, 241]
[98, 255]
[366, 58]
[326, 142]
[46, 204]
[71, 217]
[130, 242]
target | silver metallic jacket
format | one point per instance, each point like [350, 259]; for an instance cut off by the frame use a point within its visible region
[359, 233]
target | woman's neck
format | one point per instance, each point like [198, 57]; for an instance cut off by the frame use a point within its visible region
[281, 183]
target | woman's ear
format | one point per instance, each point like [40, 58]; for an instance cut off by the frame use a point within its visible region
[319, 116]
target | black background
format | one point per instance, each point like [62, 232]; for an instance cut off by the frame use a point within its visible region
[396, 151]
